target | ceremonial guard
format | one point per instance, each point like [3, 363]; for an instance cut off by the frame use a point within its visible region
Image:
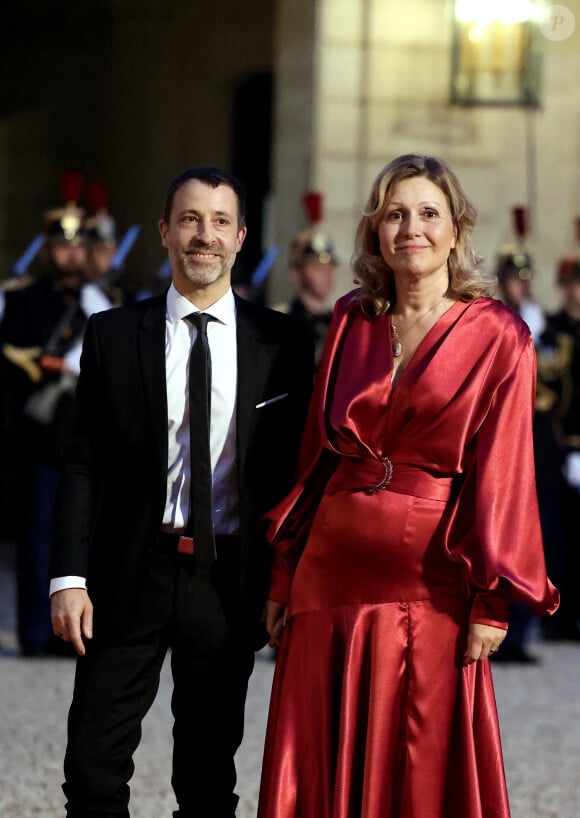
[514, 270]
[40, 342]
[106, 251]
[101, 235]
[514, 273]
[559, 398]
[313, 266]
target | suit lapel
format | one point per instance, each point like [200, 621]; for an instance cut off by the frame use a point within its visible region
[152, 363]
[255, 353]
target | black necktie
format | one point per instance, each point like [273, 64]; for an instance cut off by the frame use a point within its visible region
[200, 524]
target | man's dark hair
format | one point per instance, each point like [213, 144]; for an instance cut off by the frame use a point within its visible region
[214, 177]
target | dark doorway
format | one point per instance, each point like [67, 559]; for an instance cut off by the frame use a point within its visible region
[251, 159]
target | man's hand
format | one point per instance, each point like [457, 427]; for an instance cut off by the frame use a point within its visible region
[482, 642]
[274, 618]
[71, 612]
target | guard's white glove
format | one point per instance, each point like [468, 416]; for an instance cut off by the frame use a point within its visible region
[571, 469]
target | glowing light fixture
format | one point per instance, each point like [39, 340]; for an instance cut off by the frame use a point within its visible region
[497, 49]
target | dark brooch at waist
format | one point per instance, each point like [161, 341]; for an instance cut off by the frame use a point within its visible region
[382, 484]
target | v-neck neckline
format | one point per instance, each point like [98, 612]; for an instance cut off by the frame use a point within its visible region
[441, 324]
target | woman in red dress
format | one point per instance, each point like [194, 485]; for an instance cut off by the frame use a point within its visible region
[413, 525]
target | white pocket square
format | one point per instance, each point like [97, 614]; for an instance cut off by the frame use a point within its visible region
[272, 400]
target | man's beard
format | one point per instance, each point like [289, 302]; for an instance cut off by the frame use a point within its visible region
[66, 278]
[200, 272]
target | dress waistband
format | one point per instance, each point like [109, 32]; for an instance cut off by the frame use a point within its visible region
[371, 476]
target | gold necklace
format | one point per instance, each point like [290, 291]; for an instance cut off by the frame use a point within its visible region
[397, 340]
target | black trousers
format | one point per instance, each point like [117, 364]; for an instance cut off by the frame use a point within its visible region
[195, 613]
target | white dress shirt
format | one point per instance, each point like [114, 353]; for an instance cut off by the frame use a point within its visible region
[180, 335]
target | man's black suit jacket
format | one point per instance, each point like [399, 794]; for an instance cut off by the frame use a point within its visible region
[112, 491]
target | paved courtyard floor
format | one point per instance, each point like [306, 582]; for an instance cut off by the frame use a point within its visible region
[539, 713]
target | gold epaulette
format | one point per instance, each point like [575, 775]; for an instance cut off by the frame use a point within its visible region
[546, 398]
[25, 358]
[552, 367]
[10, 284]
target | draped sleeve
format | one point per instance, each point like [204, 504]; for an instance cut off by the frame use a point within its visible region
[496, 530]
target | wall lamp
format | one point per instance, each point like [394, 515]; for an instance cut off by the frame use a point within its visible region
[497, 52]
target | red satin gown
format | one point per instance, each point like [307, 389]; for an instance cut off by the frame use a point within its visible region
[372, 713]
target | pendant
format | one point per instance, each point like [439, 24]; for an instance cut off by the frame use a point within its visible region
[397, 348]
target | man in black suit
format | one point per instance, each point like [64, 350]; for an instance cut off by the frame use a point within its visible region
[123, 519]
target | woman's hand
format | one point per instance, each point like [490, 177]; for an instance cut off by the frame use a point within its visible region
[482, 642]
[274, 618]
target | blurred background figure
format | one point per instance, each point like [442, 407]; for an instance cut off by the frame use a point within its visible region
[514, 273]
[40, 342]
[559, 392]
[253, 287]
[101, 237]
[107, 251]
[313, 266]
[514, 270]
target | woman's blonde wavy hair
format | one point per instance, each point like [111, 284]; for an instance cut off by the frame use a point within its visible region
[467, 280]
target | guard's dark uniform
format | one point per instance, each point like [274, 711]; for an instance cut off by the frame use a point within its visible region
[559, 397]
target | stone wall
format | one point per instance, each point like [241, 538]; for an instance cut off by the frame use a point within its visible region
[381, 74]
